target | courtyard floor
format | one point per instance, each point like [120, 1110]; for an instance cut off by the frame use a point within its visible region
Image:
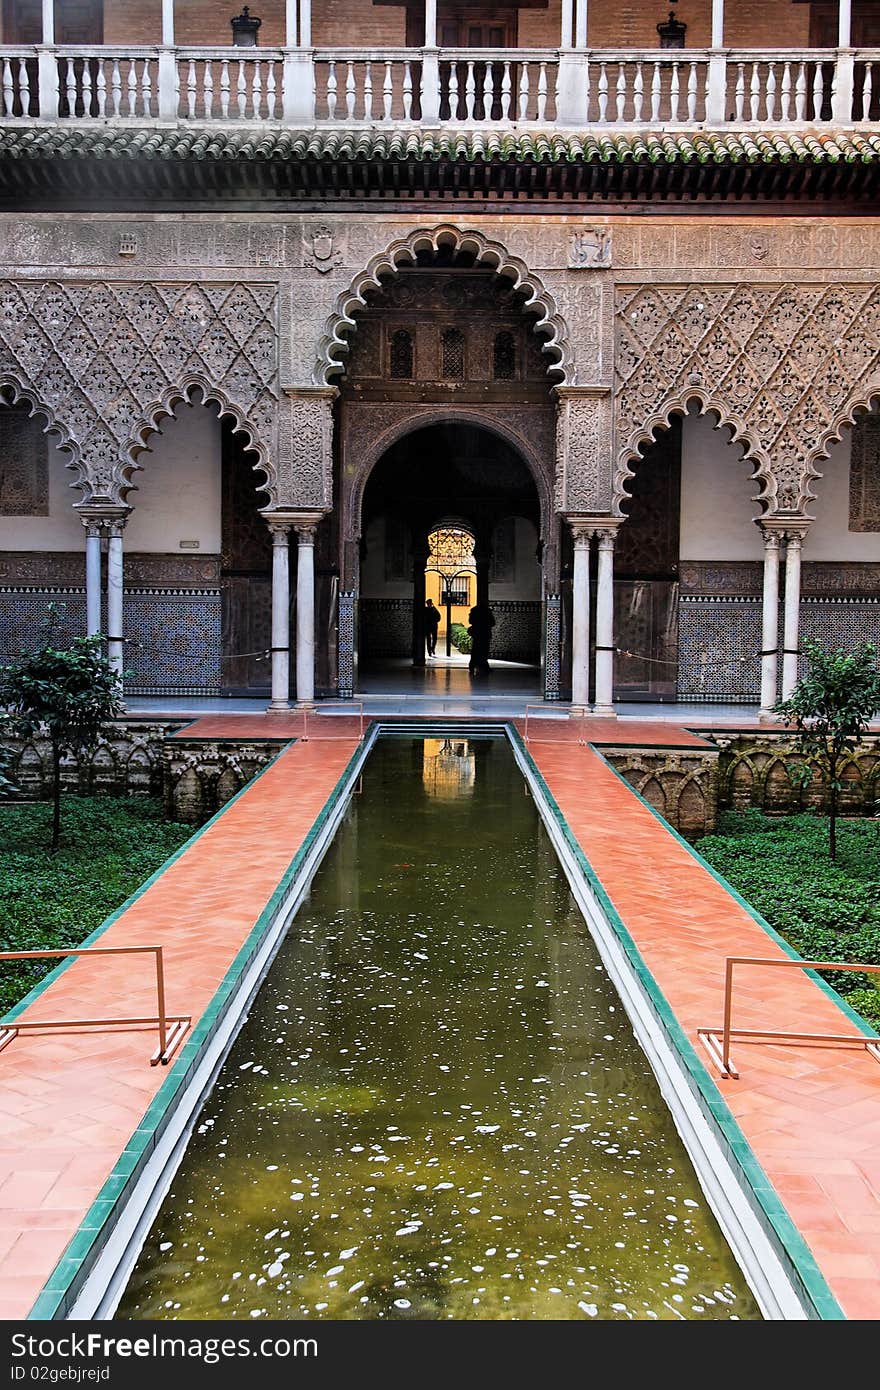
[70, 1104]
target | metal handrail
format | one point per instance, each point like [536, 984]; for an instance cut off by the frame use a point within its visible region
[717, 1041]
[169, 1038]
[349, 707]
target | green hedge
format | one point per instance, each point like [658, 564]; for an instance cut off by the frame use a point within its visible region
[460, 638]
[826, 910]
[109, 847]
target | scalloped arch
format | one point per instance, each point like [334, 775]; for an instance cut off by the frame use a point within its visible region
[163, 408]
[22, 391]
[448, 415]
[709, 405]
[863, 404]
[333, 344]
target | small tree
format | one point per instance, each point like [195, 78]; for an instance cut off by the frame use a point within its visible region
[67, 695]
[831, 708]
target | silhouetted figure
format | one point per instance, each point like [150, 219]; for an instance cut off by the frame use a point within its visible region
[482, 621]
[432, 622]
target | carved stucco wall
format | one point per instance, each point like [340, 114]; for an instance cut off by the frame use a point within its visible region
[784, 365]
[105, 360]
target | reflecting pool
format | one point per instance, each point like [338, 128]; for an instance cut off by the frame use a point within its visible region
[437, 1108]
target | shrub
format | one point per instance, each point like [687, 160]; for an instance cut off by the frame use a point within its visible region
[460, 638]
[826, 909]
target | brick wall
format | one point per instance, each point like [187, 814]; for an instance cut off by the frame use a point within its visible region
[748, 23]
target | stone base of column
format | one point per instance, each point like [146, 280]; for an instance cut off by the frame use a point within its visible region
[578, 711]
[278, 707]
[766, 716]
[305, 705]
[604, 712]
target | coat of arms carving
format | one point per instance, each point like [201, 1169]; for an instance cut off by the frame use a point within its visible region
[590, 249]
[320, 251]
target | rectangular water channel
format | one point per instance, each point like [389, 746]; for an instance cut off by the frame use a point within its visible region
[436, 1107]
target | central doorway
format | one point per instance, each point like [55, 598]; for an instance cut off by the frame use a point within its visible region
[450, 514]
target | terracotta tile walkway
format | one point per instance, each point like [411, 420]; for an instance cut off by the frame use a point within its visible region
[69, 1104]
[811, 1113]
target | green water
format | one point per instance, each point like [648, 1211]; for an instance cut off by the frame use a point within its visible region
[437, 1108]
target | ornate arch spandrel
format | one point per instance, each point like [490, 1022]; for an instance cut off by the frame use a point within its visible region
[164, 409]
[106, 355]
[708, 405]
[333, 344]
[778, 362]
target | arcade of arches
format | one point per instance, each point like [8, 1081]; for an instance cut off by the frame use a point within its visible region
[445, 413]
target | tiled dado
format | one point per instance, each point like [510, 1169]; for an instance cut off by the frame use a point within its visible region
[80, 1112]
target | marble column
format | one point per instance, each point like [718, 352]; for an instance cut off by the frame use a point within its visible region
[605, 622]
[305, 613]
[280, 533]
[93, 576]
[115, 596]
[791, 628]
[770, 622]
[580, 618]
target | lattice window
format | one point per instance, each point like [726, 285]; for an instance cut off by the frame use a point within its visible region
[504, 357]
[402, 355]
[452, 354]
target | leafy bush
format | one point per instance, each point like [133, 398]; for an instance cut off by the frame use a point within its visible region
[460, 638]
[826, 909]
[48, 901]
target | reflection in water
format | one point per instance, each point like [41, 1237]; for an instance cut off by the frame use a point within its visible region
[449, 768]
[437, 1108]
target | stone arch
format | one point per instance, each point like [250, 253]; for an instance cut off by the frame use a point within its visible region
[333, 343]
[12, 383]
[183, 391]
[709, 404]
[448, 415]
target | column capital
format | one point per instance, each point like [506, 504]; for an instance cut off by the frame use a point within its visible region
[280, 532]
[311, 393]
[302, 522]
[771, 536]
[606, 531]
[102, 520]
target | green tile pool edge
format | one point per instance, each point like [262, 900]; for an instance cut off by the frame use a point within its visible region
[56, 1296]
[797, 1253]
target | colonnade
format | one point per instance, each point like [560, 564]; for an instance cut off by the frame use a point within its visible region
[107, 525]
[778, 534]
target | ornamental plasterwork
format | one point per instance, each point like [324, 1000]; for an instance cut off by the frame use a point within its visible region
[108, 359]
[583, 450]
[784, 366]
[864, 475]
[305, 450]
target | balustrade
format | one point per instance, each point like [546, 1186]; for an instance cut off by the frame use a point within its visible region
[567, 88]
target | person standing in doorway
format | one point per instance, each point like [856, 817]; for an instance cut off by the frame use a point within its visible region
[482, 621]
[432, 622]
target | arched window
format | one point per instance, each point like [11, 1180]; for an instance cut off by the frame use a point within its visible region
[452, 354]
[504, 357]
[402, 355]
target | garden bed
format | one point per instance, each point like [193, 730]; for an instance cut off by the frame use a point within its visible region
[109, 846]
[826, 910]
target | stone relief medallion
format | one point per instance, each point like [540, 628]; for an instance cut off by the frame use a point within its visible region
[759, 247]
[320, 253]
[590, 249]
